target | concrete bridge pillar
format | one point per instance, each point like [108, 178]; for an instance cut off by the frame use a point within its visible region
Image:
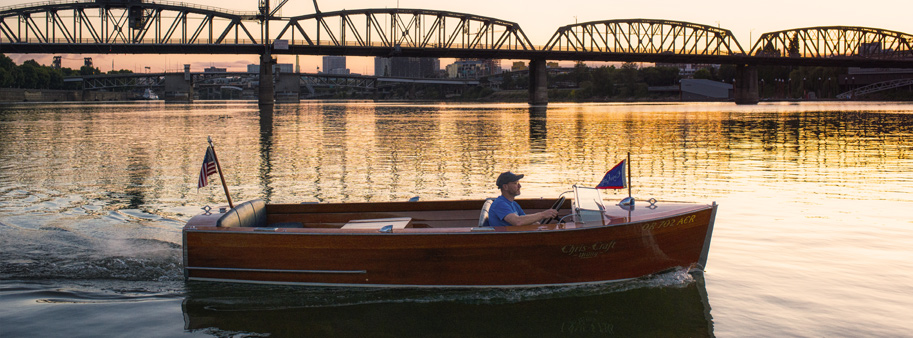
[745, 88]
[179, 86]
[267, 91]
[538, 83]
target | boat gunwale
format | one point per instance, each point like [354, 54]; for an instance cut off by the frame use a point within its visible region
[426, 231]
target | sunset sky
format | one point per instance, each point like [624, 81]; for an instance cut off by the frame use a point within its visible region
[539, 19]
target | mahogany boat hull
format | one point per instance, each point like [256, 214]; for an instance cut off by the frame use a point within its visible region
[653, 242]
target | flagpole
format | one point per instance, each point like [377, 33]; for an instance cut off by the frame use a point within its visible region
[629, 173]
[219, 167]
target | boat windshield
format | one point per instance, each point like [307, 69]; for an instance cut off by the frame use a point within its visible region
[589, 207]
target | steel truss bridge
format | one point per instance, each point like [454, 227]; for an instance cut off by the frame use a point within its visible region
[875, 87]
[164, 27]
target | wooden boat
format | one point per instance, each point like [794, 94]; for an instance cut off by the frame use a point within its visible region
[441, 243]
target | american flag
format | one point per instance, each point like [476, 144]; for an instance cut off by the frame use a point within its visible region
[209, 168]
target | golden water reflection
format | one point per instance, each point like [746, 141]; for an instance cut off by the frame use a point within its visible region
[145, 156]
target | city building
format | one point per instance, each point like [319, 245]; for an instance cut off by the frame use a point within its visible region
[277, 68]
[382, 67]
[336, 65]
[214, 70]
[410, 67]
[473, 68]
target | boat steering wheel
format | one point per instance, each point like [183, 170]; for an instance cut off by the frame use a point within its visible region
[556, 206]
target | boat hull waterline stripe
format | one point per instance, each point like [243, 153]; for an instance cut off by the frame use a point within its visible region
[281, 270]
[435, 286]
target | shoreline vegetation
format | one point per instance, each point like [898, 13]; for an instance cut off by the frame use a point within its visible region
[32, 82]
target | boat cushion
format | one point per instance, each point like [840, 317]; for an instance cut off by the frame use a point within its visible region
[247, 214]
[259, 212]
[229, 220]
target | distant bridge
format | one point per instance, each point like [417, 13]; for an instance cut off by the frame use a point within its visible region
[310, 80]
[875, 87]
[164, 27]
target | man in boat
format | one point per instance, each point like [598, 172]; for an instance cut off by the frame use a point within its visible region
[504, 211]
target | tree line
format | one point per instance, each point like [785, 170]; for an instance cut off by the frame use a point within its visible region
[31, 75]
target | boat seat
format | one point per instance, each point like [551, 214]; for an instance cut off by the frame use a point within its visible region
[251, 214]
[483, 217]
[229, 220]
[247, 214]
[259, 212]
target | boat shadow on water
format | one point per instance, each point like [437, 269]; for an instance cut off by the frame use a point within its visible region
[673, 304]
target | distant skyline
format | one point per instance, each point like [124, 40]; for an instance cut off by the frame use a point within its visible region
[539, 20]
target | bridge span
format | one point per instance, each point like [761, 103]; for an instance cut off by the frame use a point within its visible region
[181, 86]
[164, 27]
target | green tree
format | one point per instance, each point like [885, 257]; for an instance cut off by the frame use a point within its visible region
[29, 71]
[631, 85]
[6, 78]
[580, 73]
[6, 63]
[507, 81]
[660, 76]
[604, 79]
[8, 71]
[703, 74]
[87, 70]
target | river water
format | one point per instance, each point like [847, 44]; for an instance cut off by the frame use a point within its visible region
[813, 235]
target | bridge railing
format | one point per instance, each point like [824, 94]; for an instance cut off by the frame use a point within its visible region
[201, 7]
[132, 26]
[140, 42]
[43, 3]
[299, 42]
[644, 36]
[399, 27]
[835, 42]
[175, 4]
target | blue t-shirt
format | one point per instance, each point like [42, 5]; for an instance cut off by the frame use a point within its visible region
[500, 208]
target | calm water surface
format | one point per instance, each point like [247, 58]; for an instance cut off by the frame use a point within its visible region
[813, 236]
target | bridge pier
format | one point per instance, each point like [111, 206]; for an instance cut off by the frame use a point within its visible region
[267, 91]
[745, 88]
[538, 83]
[179, 86]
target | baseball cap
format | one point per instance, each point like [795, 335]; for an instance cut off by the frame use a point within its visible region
[507, 177]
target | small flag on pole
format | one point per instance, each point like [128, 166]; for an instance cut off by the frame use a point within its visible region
[209, 168]
[615, 178]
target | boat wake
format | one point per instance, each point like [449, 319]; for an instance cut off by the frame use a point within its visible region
[58, 252]
[234, 297]
[90, 291]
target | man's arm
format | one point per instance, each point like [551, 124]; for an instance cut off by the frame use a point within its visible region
[515, 219]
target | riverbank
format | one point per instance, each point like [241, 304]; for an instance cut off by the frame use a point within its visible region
[16, 95]
[52, 95]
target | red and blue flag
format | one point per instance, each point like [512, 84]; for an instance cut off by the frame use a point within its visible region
[615, 178]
